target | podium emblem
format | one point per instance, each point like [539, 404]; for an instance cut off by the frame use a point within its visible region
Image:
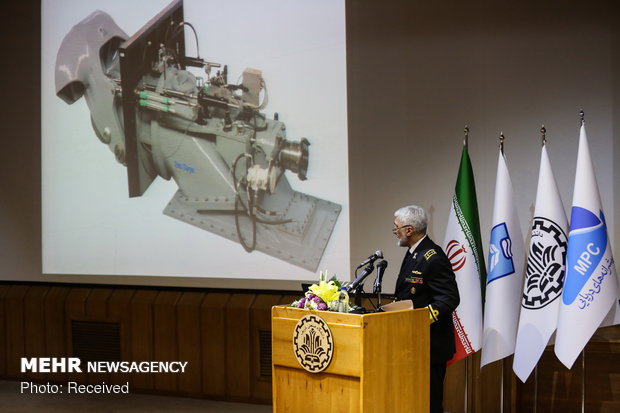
[313, 343]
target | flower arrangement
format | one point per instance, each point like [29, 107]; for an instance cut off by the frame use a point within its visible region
[322, 296]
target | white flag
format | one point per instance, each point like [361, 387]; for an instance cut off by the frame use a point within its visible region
[544, 276]
[505, 273]
[591, 287]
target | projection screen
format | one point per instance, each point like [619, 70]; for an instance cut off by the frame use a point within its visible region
[194, 138]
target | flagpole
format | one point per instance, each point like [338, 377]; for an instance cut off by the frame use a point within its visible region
[535, 388]
[583, 373]
[501, 149]
[583, 353]
[501, 410]
[543, 138]
[466, 400]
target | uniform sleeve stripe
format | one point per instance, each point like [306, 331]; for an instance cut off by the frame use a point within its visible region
[433, 313]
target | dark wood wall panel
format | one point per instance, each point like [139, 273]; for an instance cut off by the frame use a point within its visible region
[238, 345]
[287, 299]
[602, 361]
[119, 310]
[15, 346]
[75, 310]
[558, 389]
[454, 390]
[213, 333]
[489, 397]
[261, 321]
[4, 290]
[219, 335]
[96, 309]
[55, 337]
[34, 324]
[165, 346]
[553, 388]
[190, 341]
[141, 336]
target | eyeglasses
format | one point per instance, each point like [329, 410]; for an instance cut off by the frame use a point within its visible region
[395, 228]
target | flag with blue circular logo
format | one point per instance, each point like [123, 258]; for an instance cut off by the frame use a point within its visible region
[505, 273]
[591, 287]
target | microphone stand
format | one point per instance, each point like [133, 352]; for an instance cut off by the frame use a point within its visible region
[376, 288]
[359, 289]
[378, 292]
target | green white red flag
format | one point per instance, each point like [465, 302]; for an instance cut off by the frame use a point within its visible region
[463, 246]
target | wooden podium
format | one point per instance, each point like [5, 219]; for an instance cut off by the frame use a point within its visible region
[380, 362]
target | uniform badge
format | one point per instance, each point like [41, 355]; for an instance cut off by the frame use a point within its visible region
[415, 280]
[415, 254]
[413, 290]
[429, 254]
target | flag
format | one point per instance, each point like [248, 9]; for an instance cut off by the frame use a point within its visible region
[544, 275]
[505, 273]
[591, 286]
[463, 246]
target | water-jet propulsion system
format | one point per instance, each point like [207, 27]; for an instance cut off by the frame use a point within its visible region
[211, 137]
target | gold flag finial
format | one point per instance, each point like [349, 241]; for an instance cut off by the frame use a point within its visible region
[466, 138]
[502, 138]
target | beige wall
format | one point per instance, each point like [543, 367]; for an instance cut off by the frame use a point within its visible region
[417, 74]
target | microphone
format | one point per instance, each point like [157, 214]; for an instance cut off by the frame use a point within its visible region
[380, 270]
[378, 254]
[360, 278]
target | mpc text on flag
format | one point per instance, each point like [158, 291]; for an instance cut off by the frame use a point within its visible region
[591, 286]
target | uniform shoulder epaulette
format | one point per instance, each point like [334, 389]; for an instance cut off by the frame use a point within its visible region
[428, 254]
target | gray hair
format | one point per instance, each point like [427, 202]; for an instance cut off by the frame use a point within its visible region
[413, 215]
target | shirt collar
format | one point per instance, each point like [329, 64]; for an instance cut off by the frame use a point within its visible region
[414, 246]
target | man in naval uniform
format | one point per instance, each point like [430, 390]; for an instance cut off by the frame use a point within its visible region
[426, 278]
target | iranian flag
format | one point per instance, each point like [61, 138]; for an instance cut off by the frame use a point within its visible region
[463, 246]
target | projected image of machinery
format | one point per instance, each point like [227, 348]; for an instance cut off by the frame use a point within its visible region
[212, 137]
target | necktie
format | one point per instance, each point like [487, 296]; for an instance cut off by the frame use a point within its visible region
[401, 276]
[407, 257]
